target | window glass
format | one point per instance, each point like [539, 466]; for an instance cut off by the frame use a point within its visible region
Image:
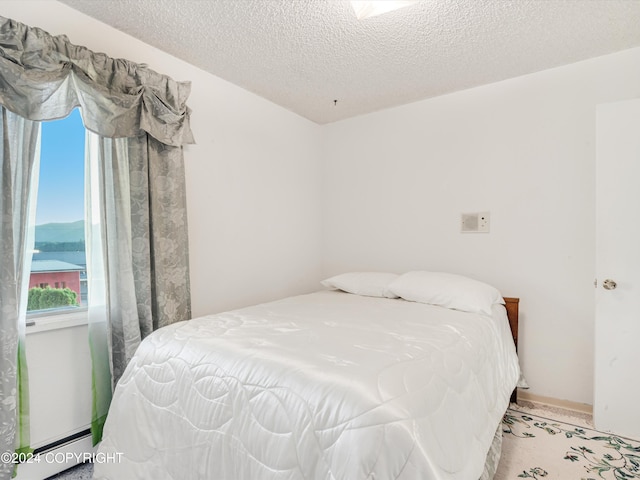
[58, 279]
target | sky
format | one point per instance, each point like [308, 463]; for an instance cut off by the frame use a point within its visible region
[61, 184]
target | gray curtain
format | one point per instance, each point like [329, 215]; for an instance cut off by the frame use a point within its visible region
[141, 122]
[138, 261]
[18, 173]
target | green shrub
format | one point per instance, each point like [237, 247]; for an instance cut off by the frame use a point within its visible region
[44, 298]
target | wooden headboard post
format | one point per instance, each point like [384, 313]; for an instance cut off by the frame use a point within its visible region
[512, 314]
[511, 304]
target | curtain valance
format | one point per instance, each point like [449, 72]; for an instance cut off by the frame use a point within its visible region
[44, 77]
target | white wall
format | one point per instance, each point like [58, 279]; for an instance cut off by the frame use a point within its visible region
[252, 179]
[397, 180]
[67, 372]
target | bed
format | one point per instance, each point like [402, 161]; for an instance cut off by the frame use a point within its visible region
[329, 385]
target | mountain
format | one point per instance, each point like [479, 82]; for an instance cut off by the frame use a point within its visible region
[60, 232]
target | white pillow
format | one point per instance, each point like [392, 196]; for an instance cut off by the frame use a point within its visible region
[447, 290]
[370, 284]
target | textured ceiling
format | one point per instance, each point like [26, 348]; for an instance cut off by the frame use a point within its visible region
[304, 54]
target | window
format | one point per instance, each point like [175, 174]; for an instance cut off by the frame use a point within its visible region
[58, 280]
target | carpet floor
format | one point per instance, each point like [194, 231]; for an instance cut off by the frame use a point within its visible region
[83, 471]
[539, 443]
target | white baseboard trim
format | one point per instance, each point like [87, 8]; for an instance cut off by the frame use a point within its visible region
[56, 460]
[555, 402]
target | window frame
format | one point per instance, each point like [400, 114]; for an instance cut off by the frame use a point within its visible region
[56, 318]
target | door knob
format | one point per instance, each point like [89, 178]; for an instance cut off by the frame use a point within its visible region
[609, 284]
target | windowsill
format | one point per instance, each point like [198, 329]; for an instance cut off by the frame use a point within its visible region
[56, 321]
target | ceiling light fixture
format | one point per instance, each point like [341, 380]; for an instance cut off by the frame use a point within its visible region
[368, 9]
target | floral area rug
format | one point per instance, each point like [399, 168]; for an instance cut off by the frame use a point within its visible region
[537, 447]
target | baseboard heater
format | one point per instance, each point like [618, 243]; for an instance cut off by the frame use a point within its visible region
[57, 457]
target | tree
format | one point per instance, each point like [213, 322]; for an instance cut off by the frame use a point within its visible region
[60, 246]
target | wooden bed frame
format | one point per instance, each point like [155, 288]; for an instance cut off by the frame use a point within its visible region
[511, 304]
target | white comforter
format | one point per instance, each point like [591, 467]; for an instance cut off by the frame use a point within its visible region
[322, 386]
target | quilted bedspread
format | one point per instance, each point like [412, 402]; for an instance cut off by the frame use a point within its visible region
[322, 386]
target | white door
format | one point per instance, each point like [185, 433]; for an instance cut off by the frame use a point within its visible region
[617, 331]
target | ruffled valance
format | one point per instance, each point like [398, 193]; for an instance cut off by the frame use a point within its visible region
[44, 77]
